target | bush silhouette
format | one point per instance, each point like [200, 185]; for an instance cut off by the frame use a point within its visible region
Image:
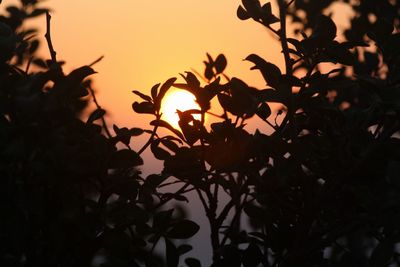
[320, 189]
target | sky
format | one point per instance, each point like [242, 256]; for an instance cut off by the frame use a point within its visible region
[146, 42]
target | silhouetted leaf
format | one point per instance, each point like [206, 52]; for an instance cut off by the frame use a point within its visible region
[192, 262]
[270, 72]
[96, 114]
[183, 249]
[163, 90]
[263, 111]
[162, 123]
[170, 144]
[183, 229]
[124, 159]
[158, 152]
[324, 30]
[175, 196]
[242, 13]
[252, 256]
[154, 90]
[136, 131]
[143, 107]
[171, 254]
[143, 96]
[220, 63]
[382, 254]
[162, 219]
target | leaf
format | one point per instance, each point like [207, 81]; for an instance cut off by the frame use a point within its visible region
[175, 196]
[163, 90]
[254, 211]
[220, 63]
[143, 96]
[263, 111]
[136, 131]
[153, 180]
[382, 254]
[182, 249]
[162, 219]
[242, 13]
[76, 76]
[252, 256]
[143, 107]
[183, 229]
[158, 152]
[270, 72]
[154, 91]
[124, 158]
[192, 262]
[96, 114]
[192, 81]
[172, 254]
[324, 30]
[170, 144]
[162, 123]
[40, 63]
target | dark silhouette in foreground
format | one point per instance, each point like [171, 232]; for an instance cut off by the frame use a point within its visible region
[321, 188]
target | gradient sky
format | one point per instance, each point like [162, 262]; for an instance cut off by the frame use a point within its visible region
[146, 42]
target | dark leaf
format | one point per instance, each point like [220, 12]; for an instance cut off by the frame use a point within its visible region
[125, 158]
[182, 249]
[382, 254]
[78, 75]
[143, 107]
[192, 262]
[252, 256]
[270, 72]
[136, 131]
[170, 144]
[162, 123]
[192, 82]
[154, 90]
[158, 152]
[33, 46]
[97, 114]
[40, 62]
[143, 96]
[220, 63]
[183, 229]
[263, 111]
[171, 254]
[162, 219]
[154, 180]
[242, 13]
[324, 30]
[163, 90]
[254, 211]
[175, 196]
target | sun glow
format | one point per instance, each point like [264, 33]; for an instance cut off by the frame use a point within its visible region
[178, 100]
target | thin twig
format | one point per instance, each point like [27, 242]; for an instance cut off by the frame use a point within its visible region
[53, 53]
[288, 4]
[96, 61]
[103, 121]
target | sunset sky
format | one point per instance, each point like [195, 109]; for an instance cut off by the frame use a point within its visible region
[146, 42]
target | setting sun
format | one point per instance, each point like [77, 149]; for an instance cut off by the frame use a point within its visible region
[177, 100]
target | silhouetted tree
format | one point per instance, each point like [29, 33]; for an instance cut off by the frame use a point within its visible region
[321, 188]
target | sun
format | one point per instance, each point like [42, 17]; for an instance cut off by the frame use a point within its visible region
[177, 99]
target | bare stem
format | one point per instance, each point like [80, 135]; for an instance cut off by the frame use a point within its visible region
[103, 121]
[53, 53]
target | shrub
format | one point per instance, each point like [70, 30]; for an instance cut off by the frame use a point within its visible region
[320, 189]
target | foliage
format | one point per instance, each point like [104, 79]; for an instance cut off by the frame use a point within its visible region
[321, 188]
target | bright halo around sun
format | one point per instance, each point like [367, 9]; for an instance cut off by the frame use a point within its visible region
[178, 100]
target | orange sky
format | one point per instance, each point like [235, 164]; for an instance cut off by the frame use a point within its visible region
[146, 42]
